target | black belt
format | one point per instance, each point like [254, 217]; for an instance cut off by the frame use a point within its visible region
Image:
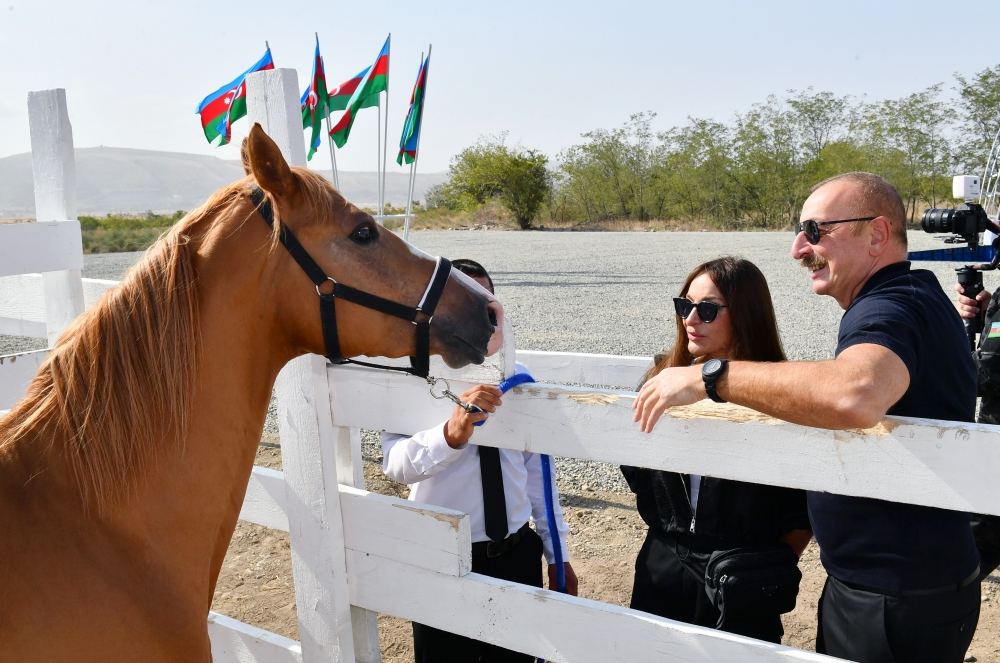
[494, 549]
[932, 591]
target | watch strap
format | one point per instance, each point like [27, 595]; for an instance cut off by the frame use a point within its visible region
[710, 381]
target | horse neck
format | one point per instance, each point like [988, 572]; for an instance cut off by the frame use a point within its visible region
[193, 498]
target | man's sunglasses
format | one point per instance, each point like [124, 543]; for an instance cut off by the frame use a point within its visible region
[707, 311]
[811, 228]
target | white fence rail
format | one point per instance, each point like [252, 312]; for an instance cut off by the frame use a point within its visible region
[357, 553]
[46, 246]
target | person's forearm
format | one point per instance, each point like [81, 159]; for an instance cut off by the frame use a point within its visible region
[824, 394]
[412, 459]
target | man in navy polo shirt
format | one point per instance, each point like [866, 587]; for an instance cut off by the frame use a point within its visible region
[902, 578]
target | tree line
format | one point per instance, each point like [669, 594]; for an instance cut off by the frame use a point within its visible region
[752, 172]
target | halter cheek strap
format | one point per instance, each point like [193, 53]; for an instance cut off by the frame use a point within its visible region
[329, 289]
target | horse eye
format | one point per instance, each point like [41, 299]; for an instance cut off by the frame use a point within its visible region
[364, 234]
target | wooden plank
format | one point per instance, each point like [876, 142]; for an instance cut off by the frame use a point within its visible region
[16, 371]
[53, 167]
[350, 472]
[236, 642]
[268, 95]
[622, 372]
[53, 162]
[40, 247]
[552, 626]
[264, 502]
[359, 395]
[22, 303]
[424, 536]
[919, 461]
[429, 537]
[13, 326]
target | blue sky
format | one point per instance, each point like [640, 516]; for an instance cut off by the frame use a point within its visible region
[545, 72]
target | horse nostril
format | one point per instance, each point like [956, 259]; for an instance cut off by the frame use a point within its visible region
[493, 316]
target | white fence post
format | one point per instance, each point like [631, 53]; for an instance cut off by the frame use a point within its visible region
[54, 167]
[350, 472]
[273, 100]
[316, 528]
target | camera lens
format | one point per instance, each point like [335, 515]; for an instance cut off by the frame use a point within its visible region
[938, 220]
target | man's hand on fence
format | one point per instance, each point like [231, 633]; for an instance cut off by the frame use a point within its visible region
[458, 429]
[571, 581]
[969, 308]
[669, 387]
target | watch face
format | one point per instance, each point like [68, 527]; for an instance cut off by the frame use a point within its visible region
[712, 366]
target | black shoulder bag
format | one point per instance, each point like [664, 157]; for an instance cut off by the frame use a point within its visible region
[758, 578]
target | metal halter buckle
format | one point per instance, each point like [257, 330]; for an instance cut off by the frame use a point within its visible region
[450, 395]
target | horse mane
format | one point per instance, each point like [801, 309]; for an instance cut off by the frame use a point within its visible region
[117, 386]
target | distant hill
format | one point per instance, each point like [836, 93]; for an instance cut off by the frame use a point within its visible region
[115, 179]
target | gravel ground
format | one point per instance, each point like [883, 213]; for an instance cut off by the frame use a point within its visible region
[605, 293]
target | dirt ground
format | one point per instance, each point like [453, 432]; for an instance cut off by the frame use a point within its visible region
[256, 581]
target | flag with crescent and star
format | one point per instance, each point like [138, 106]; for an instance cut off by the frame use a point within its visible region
[410, 139]
[314, 103]
[229, 103]
[374, 81]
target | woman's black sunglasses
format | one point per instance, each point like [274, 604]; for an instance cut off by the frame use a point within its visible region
[811, 228]
[707, 311]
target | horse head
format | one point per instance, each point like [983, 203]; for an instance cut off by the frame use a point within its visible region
[353, 250]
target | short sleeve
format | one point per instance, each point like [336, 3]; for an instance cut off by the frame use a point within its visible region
[886, 321]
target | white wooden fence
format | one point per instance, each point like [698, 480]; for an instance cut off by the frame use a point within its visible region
[357, 553]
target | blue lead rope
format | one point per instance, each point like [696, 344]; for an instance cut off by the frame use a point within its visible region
[550, 510]
[517, 380]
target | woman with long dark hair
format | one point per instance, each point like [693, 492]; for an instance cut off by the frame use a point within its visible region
[724, 311]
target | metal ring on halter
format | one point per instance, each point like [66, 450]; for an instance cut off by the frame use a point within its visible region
[331, 280]
[451, 396]
[415, 322]
[433, 382]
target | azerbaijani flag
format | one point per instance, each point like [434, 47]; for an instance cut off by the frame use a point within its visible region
[229, 103]
[410, 139]
[313, 102]
[375, 80]
[341, 95]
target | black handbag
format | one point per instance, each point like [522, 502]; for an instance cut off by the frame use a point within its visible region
[758, 578]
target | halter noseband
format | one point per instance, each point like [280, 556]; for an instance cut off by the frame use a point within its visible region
[420, 315]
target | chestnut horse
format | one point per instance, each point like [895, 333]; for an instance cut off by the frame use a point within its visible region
[123, 470]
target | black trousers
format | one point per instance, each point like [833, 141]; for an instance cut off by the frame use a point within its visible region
[522, 564]
[670, 582]
[868, 627]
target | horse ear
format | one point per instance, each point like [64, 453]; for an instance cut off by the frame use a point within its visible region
[263, 160]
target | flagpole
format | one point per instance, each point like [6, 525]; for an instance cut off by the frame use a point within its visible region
[329, 139]
[409, 201]
[409, 191]
[416, 155]
[385, 142]
[378, 173]
[333, 154]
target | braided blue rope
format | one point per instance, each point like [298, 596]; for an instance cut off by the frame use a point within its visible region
[517, 380]
[550, 512]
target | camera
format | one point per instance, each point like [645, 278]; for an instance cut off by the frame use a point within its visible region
[966, 221]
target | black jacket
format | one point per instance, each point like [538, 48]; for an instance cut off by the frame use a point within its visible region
[730, 513]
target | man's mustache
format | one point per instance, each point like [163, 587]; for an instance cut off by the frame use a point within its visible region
[812, 262]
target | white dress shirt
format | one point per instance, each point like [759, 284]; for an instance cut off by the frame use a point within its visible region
[440, 475]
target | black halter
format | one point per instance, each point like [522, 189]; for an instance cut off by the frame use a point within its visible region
[420, 316]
